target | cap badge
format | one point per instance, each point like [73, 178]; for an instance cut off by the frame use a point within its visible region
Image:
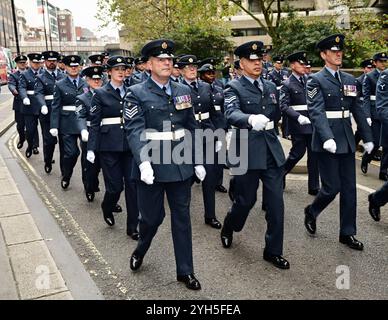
[51, 54]
[164, 45]
[304, 54]
[254, 46]
[72, 59]
[337, 39]
[95, 70]
[383, 55]
[191, 60]
[119, 60]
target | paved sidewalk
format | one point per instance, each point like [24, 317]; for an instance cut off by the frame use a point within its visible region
[36, 260]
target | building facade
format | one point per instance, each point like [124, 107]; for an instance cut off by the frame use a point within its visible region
[7, 30]
[66, 26]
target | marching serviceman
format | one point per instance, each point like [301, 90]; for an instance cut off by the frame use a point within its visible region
[250, 104]
[207, 74]
[30, 108]
[93, 76]
[13, 86]
[380, 197]
[44, 92]
[64, 121]
[208, 116]
[331, 96]
[107, 137]
[149, 107]
[294, 108]
[367, 66]
[369, 106]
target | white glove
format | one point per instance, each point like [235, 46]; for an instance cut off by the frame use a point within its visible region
[90, 156]
[26, 101]
[54, 132]
[368, 147]
[146, 172]
[330, 146]
[218, 145]
[44, 110]
[200, 172]
[258, 121]
[303, 120]
[84, 135]
[369, 120]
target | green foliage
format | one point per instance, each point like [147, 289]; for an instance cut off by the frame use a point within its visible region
[366, 36]
[197, 25]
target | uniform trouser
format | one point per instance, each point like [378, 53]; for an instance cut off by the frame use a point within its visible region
[116, 169]
[49, 141]
[32, 136]
[209, 190]
[20, 125]
[380, 197]
[90, 171]
[219, 174]
[151, 205]
[69, 152]
[384, 161]
[338, 175]
[301, 143]
[245, 192]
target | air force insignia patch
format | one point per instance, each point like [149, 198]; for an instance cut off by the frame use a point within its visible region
[130, 112]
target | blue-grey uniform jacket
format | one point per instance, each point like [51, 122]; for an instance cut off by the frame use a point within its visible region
[27, 90]
[13, 84]
[63, 109]
[293, 104]
[369, 94]
[84, 104]
[107, 104]
[277, 77]
[218, 102]
[243, 99]
[326, 95]
[382, 106]
[147, 106]
[44, 88]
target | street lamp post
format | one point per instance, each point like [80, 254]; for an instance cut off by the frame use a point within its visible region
[15, 27]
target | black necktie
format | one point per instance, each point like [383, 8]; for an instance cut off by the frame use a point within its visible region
[165, 91]
[53, 74]
[336, 75]
[194, 85]
[256, 83]
[35, 73]
[301, 81]
[75, 84]
[118, 91]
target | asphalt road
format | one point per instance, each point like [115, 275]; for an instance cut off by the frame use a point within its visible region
[236, 273]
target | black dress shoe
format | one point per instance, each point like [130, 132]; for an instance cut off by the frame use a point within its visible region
[35, 150]
[117, 208]
[133, 234]
[53, 161]
[135, 261]
[376, 157]
[48, 167]
[226, 237]
[309, 221]
[28, 153]
[20, 144]
[313, 192]
[383, 176]
[352, 242]
[374, 210]
[364, 166]
[90, 196]
[277, 261]
[221, 189]
[65, 183]
[213, 222]
[191, 281]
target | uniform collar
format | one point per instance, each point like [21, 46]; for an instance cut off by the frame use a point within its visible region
[167, 85]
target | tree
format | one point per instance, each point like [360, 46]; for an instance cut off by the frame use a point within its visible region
[181, 20]
[272, 20]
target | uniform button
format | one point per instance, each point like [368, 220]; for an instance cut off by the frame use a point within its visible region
[173, 125]
[199, 104]
[171, 114]
[199, 97]
[121, 127]
[248, 102]
[152, 107]
[121, 102]
[263, 108]
[121, 111]
[342, 98]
